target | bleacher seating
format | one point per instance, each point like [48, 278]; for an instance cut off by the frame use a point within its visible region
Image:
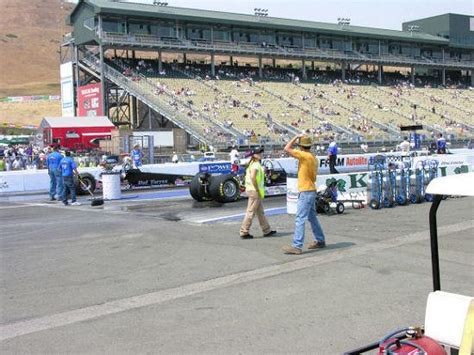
[282, 104]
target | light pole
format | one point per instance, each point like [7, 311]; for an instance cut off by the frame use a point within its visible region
[413, 28]
[343, 21]
[260, 12]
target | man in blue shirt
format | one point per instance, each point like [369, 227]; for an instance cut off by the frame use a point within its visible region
[68, 169]
[332, 154]
[441, 144]
[55, 178]
[137, 156]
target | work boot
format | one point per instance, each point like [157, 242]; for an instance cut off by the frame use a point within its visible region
[316, 245]
[269, 234]
[246, 236]
[288, 249]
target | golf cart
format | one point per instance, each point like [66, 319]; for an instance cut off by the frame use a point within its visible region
[449, 317]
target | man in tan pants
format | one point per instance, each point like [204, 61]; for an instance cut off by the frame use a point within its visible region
[255, 188]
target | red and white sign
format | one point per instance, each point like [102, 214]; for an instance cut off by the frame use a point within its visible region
[89, 100]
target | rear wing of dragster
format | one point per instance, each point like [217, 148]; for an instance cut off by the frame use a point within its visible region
[449, 317]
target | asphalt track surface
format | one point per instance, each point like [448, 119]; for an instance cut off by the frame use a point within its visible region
[172, 276]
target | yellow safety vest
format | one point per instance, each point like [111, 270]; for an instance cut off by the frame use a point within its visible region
[260, 179]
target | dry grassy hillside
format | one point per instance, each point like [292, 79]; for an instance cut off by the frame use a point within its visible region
[30, 34]
[28, 113]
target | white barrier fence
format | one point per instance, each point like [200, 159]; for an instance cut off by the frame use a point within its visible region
[38, 180]
[354, 185]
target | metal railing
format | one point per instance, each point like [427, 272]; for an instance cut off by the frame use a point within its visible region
[144, 91]
[380, 125]
[276, 122]
[423, 107]
[230, 130]
[281, 97]
[289, 52]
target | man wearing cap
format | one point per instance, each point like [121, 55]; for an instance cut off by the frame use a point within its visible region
[255, 188]
[306, 207]
[332, 155]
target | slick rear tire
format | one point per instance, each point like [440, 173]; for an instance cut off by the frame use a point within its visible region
[340, 208]
[224, 188]
[89, 181]
[197, 189]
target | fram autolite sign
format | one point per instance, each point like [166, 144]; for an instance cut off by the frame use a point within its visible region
[89, 100]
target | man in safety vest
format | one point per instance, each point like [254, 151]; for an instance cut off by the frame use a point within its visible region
[306, 207]
[255, 188]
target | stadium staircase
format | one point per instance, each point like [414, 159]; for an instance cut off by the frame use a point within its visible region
[204, 128]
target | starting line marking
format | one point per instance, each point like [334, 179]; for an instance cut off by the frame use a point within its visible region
[268, 212]
[13, 330]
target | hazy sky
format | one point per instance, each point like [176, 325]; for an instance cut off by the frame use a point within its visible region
[372, 13]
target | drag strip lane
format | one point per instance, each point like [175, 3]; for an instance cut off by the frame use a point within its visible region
[16, 329]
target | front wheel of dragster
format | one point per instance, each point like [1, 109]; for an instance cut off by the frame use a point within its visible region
[224, 188]
[198, 187]
[86, 182]
[340, 208]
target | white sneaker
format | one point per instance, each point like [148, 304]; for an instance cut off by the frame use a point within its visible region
[76, 204]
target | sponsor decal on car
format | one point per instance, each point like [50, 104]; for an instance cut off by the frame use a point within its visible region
[216, 168]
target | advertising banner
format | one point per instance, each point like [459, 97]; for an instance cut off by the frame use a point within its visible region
[216, 168]
[67, 90]
[350, 186]
[89, 100]
[354, 185]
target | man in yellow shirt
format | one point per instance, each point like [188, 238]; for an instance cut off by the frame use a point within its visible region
[306, 206]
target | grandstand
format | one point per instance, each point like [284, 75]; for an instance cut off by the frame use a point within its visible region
[227, 78]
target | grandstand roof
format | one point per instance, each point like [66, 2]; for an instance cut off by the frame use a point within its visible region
[146, 10]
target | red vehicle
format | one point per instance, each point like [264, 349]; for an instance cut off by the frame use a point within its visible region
[77, 133]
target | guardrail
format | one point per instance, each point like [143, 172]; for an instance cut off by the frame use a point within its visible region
[289, 52]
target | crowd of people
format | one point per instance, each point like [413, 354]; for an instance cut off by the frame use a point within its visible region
[22, 157]
[30, 156]
[219, 107]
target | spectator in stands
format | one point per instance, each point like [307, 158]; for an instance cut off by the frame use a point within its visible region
[441, 144]
[306, 207]
[332, 155]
